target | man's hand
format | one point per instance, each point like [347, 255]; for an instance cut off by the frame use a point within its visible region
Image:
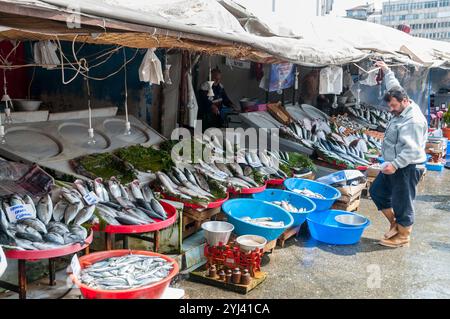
[215, 109]
[382, 65]
[389, 169]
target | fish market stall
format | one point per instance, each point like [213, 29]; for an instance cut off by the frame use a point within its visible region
[33, 226]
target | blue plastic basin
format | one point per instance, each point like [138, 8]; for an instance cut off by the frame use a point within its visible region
[235, 209]
[330, 193]
[323, 227]
[296, 200]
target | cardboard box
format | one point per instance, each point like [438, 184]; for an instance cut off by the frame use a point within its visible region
[350, 193]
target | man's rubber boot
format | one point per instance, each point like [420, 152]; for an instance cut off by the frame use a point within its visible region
[389, 214]
[402, 238]
[391, 232]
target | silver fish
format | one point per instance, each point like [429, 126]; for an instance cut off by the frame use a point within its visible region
[100, 190]
[114, 188]
[25, 244]
[201, 181]
[84, 215]
[125, 219]
[190, 177]
[71, 212]
[236, 169]
[158, 208]
[44, 209]
[136, 189]
[81, 187]
[70, 238]
[123, 192]
[30, 234]
[110, 220]
[125, 203]
[34, 223]
[139, 214]
[168, 184]
[59, 209]
[147, 193]
[27, 200]
[53, 238]
[69, 196]
[223, 168]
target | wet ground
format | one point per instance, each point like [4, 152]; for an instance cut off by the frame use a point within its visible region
[308, 269]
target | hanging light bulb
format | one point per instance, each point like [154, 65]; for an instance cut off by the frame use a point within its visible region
[2, 132]
[7, 100]
[167, 78]
[127, 122]
[358, 94]
[335, 103]
[91, 138]
[210, 83]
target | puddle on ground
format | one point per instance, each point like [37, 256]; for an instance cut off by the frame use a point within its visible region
[443, 206]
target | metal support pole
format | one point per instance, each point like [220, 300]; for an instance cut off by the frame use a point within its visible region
[22, 279]
[51, 272]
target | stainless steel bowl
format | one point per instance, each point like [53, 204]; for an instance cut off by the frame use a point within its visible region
[26, 105]
[350, 220]
[251, 242]
[217, 232]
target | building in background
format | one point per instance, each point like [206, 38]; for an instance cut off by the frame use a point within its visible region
[362, 12]
[425, 19]
[324, 7]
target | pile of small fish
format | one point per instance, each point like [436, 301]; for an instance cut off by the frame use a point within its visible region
[125, 272]
[371, 115]
[289, 207]
[263, 221]
[56, 224]
[120, 205]
[308, 193]
[306, 132]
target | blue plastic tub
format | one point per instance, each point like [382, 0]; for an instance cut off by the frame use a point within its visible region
[296, 200]
[323, 227]
[439, 167]
[330, 193]
[235, 209]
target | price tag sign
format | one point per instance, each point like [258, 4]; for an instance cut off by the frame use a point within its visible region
[91, 198]
[75, 266]
[21, 211]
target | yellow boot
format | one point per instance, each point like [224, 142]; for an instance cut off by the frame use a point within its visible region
[402, 238]
[389, 214]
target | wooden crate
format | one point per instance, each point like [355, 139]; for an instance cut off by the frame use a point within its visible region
[350, 207]
[193, 219]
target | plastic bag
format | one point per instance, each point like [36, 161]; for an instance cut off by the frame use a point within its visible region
[150, 69]
[343, 178]
[330, 80]
[45, 54]
[371, 79]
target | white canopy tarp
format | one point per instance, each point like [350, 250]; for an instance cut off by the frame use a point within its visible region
[319, 41]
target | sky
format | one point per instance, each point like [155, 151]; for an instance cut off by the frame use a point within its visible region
[294, 9]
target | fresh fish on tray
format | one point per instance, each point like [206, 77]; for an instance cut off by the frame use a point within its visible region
[126, 272]
[308, 193]
[263, 221]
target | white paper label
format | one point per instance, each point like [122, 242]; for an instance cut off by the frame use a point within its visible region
[21, 211]
[75, 265]
[91, 198]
